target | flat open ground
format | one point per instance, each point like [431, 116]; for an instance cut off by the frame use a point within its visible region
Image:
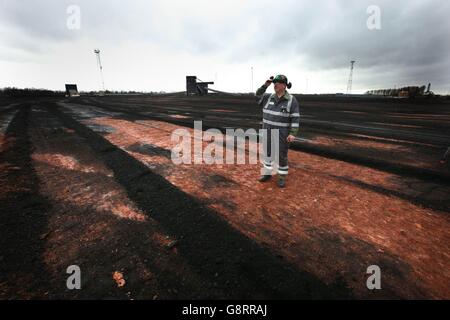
[89, 181]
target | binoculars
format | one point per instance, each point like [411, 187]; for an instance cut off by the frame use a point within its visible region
[281, 79]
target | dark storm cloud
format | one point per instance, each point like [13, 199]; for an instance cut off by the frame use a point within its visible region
[412, 44]
[412, 32]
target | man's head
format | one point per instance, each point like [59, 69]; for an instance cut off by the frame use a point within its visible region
[280, 83]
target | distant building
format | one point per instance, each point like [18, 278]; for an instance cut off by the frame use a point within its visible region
[72, 90]
[406, 92]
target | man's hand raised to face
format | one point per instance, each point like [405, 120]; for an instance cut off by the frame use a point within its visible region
[268, 82]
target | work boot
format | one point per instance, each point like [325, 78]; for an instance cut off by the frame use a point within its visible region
[264, 178]
[281, 181]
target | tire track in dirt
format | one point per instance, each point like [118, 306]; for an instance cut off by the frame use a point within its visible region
[6, 115]
[23, 216]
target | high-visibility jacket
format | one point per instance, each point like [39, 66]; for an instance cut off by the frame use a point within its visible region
[282, 113]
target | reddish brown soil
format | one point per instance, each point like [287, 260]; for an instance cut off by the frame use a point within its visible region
[314, 200]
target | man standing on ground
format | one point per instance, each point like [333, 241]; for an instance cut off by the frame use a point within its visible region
[280, 112]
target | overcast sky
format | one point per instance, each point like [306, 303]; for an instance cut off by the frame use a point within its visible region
[153, 45]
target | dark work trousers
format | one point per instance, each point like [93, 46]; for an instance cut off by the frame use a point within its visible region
[275, 154]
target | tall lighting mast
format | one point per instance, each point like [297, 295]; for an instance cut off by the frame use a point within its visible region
[350, 78]
[99, 63]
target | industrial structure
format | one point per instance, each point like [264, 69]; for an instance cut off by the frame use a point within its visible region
[193, 87]
[72, 90]
[405, 92]
[350, 77]
[99, 63]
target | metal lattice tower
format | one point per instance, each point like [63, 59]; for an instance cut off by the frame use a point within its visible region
[99, 63]
[350, 78]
